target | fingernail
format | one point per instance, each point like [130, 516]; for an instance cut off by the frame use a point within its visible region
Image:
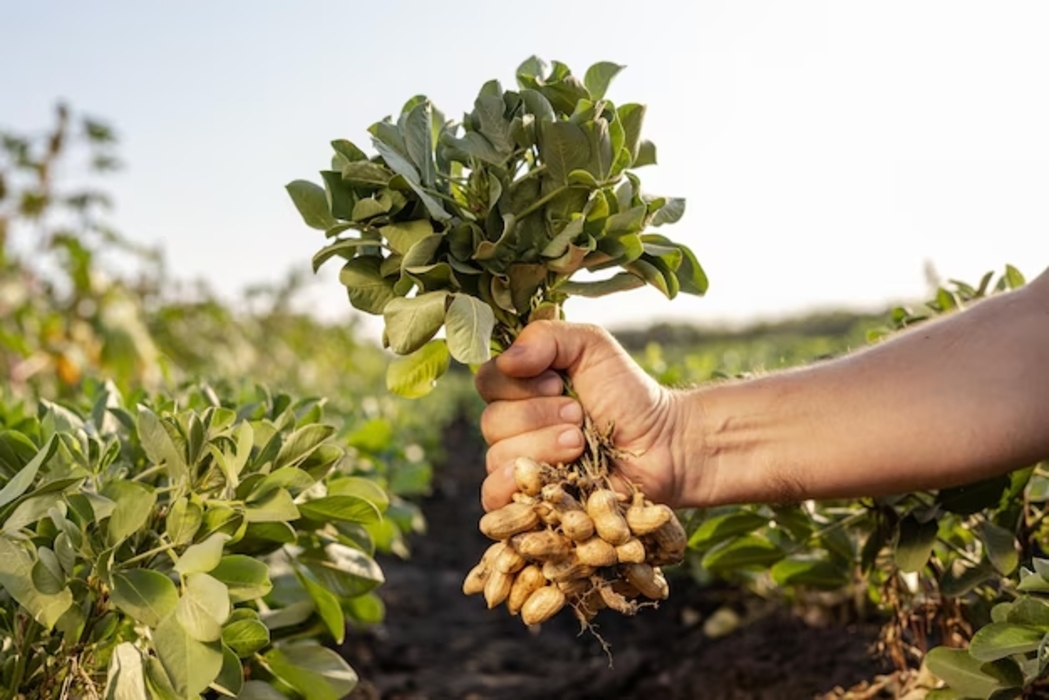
[550, 386]
[572, 413]
[570, 438]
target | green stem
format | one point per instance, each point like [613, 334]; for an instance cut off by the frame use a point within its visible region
[542, 201]
[150, 553]
[959, 551]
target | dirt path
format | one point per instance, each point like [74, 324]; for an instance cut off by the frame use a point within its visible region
[437, 643]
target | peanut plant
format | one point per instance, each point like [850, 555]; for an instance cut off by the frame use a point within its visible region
[480, 227]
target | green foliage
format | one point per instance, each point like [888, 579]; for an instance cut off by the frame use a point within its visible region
[178, 544]
[479, 227]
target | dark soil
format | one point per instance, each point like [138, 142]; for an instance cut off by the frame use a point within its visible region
[438, 643]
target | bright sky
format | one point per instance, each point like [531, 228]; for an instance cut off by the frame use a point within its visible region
[827, 150]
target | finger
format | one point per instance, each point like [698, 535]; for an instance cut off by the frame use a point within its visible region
[502, 420]
[493, 385]
[497, 490]
[544, 344]
[558, 443]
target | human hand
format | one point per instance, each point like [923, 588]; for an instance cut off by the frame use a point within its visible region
[527, 414]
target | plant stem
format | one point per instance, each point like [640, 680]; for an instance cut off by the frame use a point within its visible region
[150, 553]
[542, 201]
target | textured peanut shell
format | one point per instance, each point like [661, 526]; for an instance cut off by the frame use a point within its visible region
[542, 605]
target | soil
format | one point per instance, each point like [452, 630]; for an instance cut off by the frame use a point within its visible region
[437, 643]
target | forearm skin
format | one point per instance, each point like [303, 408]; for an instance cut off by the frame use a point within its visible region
[947, 402]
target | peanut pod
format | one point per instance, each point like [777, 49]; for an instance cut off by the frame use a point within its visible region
[497, 588]
[596, 552]
[528, 581]
[577, 525]
[509, 561]
[542, 605]
[632, 552]
[509, 520]
[566, 569]
[648, 580]
[541, 545]
[475, 579]
[528, 475]
[644, 517]
[603, 508]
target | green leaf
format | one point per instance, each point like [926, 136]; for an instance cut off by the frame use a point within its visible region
[259, 690]
[915, 543]
[670, 213]
[246, 577]
[345, 247]
[721, 527]
[183, 521]
[276, 506]
[400, 165]
[564, 147]
[348, 150]
[202, 557]
[690, 274]
[16, 579]
[415, 375]
[23, 478]
[345, 508]
[972, 498]
[962, 577]
[203, 608]
[190, 665]
[368, 290]
[245, 637]
[961, 671]
[48, 576]
[134, 506]
[744, 552]
[159, 447]
[362, 487]
[631, 116]
[418, 141]
[646, 154]
[468, 327]
[599, 76]
[489, 110]
[367, 609]
[312, 203]
[366, 173]
[1000, 639]
[403, 235]
[327, 606]
[411, 323]
[300, 445]
[1013, 277]
[1030, 612]
[619, 282]
[146, 595]
[817, 573]
[231, 676]
[1001, 547]
[314, 671]
[347, 572]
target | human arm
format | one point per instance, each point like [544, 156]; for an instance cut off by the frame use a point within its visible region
[947, 402]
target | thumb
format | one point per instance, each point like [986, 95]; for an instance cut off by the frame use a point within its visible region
[543, 345]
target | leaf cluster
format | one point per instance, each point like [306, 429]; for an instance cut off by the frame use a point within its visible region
[482, 225]
[163, 549]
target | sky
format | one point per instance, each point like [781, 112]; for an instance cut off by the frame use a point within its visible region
[828, 151]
